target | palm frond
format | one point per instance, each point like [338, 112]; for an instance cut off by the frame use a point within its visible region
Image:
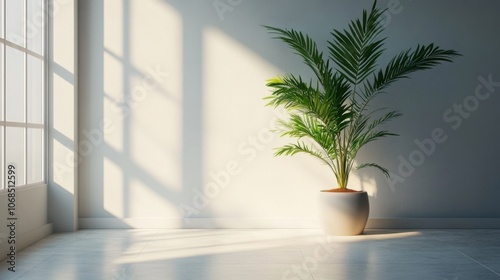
[291, 92]
[304, 126]
[382, 169]
[301, 147]
[383, 119]
[295, 95]
[407, 62]
[356, 50]
[357, 143]
[306, 48]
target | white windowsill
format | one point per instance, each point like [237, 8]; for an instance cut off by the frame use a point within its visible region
[25, 187]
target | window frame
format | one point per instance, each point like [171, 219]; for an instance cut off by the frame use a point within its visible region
[25, 124]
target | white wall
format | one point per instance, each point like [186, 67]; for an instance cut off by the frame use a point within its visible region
[62, 115]
[171, 106]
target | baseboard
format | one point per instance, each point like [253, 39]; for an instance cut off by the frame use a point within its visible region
[26, 239]
[33, 236]
[274, 223]
[435, 223]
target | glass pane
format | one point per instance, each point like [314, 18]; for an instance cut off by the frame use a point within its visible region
[15, 85]
[1, 81]
[35, 155]
[15, 21]
[15, 151]
[1, 19]
[35, 25]
[34, 90]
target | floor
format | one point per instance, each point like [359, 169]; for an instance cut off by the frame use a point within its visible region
[260, 255]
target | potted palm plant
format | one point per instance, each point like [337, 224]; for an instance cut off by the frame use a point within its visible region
[330, 116]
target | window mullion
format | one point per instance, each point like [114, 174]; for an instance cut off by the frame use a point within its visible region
[26, 92]
[4, 95]
[45, 88]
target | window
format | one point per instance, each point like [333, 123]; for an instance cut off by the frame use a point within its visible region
[22, 90]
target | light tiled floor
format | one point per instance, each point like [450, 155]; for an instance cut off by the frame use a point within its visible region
[260, 255]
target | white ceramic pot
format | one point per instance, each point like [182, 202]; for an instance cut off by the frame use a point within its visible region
[343, 213]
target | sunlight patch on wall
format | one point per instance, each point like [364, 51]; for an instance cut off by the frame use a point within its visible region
[113, 69]
[155, 92]
[150, 200]
[142, 83]
[360, 182]
[155, 149]
[63, 158]
[113, 190]
[234, 80]
[237, 128]
[113, 26]
[63, 100]
[156, 35]
[114, 100]
[233, 109]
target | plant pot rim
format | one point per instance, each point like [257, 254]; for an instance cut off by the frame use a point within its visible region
[356, 192]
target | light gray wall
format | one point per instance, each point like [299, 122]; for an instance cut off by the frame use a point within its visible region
[171, 105]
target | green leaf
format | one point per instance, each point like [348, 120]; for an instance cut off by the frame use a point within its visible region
[382, 169]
